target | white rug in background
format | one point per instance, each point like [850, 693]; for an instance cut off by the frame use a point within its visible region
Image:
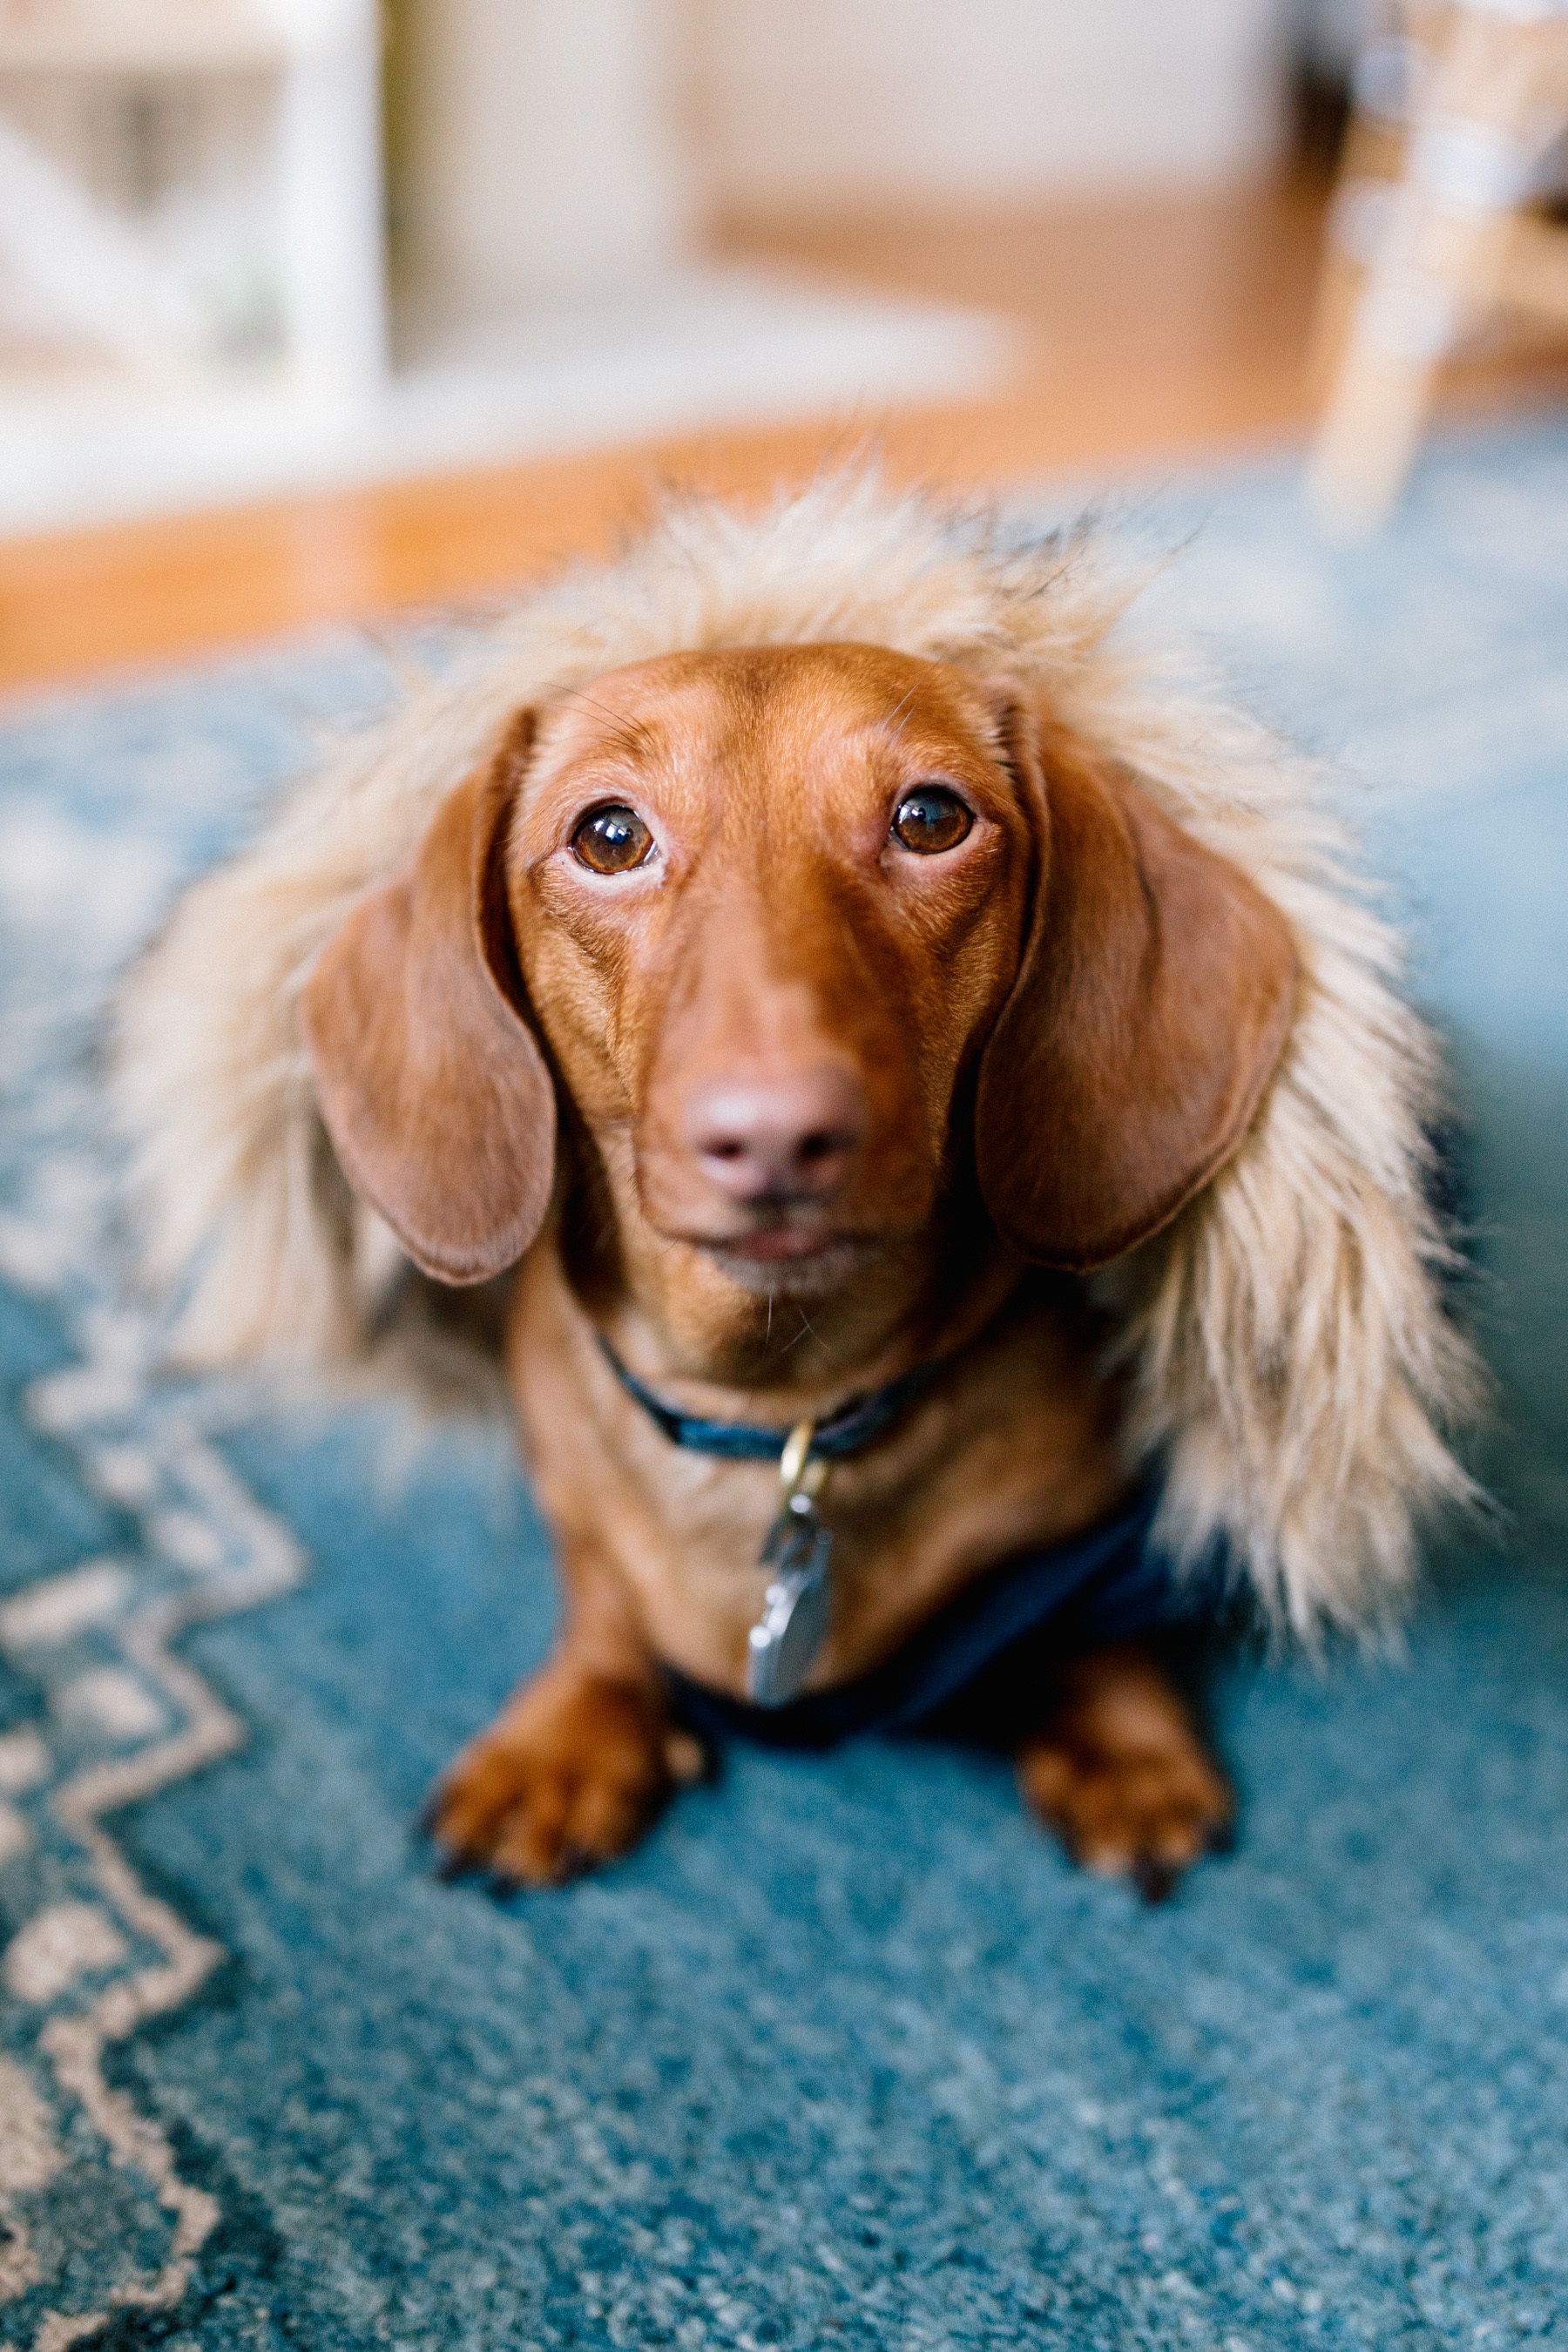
[707, 349]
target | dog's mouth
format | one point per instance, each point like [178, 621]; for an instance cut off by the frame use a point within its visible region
[778, 1245]
[783, 1256]
[814, 1271]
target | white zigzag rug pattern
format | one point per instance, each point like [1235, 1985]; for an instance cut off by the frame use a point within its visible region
[102, 1955]
[98, 1954]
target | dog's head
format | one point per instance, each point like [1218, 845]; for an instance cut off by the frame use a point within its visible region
[805, 937]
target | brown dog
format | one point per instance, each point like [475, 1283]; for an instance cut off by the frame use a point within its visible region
[804, 1002]
[864, 938]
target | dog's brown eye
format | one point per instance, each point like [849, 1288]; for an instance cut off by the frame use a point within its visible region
[930, 819]
[612, 840]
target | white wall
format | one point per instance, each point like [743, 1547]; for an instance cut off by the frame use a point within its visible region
[568, 147]
[818, 103]
[545, 148]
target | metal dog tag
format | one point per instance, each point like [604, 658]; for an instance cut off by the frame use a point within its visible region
[795, 1606]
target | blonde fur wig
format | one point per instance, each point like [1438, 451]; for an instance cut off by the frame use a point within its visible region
[1290, 1361]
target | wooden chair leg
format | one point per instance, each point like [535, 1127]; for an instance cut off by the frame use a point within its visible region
[1390, 76]
[1370, 170]
[1490, 106]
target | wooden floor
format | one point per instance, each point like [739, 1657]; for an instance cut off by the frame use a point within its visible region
[1160, 329]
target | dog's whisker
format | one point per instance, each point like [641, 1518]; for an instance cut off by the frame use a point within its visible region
[805, 1331]
[634, 739]
[1261, 867]
[903, 706]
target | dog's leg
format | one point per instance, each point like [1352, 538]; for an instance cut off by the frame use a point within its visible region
[580, 1760]
[1122, 1775]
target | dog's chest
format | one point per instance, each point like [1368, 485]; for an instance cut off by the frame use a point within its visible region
[1012, 1446]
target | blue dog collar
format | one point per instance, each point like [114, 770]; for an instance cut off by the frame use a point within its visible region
[855, 1426]
[797, 1553]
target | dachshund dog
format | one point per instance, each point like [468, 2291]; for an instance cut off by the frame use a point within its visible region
[862, 991]
[800, 1016]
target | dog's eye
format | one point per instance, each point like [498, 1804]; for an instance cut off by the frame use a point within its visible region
[930, 819]
[612, 840]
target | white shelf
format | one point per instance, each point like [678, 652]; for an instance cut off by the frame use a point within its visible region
[175, 212]
[170, 37]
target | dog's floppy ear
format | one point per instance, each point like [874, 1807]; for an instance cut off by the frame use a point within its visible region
[434, 1093]
[1152, 1002]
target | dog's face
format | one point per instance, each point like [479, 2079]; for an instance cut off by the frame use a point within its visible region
[810, 935]
[767, 904]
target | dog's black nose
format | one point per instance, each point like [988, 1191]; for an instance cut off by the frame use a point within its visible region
[789, 1137]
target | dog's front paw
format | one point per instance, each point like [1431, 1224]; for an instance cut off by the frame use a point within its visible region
[1123, 1777]
[569, 1777]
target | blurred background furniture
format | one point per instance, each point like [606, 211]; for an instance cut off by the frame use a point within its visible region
[578, 202]
[192, 267]
[707, 240]
[1441, 227]
[190, 194]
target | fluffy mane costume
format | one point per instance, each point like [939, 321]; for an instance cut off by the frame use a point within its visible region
[1291, 1364]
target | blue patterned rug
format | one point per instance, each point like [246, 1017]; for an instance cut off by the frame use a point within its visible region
[845, 2055]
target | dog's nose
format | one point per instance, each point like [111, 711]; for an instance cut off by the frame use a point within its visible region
[791, 1137]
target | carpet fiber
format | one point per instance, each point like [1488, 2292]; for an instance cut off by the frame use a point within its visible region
[845, 2055]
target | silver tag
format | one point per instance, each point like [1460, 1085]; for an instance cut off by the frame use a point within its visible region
[795, 1606]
